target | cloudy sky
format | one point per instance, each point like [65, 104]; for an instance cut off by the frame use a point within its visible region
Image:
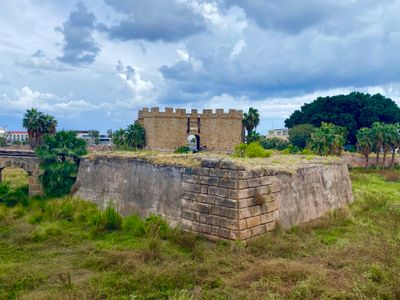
[94, 63]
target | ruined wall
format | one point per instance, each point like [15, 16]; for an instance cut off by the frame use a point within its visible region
[218, 199]
[168, 130]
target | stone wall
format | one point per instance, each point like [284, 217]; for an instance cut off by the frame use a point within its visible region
[219, 198]
[32, 167]
[170, 129]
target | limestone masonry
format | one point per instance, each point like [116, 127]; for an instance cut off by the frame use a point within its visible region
[170, 129]
[219, 198]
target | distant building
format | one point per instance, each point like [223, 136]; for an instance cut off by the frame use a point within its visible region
[2, 132]
[282, 133]
[85, 135]
[17, 136]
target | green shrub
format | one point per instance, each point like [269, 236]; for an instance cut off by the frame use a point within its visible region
[291, 150]
[45, 231]
[251, 150]
[300, 134]
[153, 250]
[156, 226]
[256, 150]
[107, 220]
[274, 143]
[182, 150]
[134, 224]
[11, 197]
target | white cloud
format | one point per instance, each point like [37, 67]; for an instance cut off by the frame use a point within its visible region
[39, 61]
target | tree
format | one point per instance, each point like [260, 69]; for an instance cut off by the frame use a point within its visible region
[251, 119]
[365, 143]
[300, 134]
[352, 111]
[95, 136]
[60, 155]
[135, 136]
[119, 138]
[394, 141]
[38, 124]
[378, 135]
[328, 139]
[274, 143]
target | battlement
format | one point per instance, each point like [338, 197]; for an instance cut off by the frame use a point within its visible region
[154, 112]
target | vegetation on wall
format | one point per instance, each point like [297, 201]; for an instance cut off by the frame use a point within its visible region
[60, 155]
[131, 137]
[352, 111]
[38, 124]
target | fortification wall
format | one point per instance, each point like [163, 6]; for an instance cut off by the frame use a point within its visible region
[218, 199]
[169, 129]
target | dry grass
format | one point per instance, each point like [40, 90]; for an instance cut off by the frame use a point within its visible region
[348, 254]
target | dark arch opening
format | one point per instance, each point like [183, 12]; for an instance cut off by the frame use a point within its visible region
[194, 142]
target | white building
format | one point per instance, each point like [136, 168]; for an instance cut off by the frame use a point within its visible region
[2, 132]
[17, 136]
[282, 133]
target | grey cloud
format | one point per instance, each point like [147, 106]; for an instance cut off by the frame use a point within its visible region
[153, 20]
[79, 47]
[295, 16]
[40, 61]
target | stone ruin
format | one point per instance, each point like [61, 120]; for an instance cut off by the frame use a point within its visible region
[215, 131]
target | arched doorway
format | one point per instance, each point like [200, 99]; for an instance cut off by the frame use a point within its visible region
[194, 142]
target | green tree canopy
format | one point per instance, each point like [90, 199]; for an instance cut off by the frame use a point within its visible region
[300, 134]
[37, 124]
[251, 119]
[352, 111]
[328, 139]
[60, 155]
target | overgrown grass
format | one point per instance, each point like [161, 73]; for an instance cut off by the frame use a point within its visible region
[48, 251]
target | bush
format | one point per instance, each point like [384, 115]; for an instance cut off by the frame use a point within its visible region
[156, 226]
[153, 250]
[182, 150]
[251, 150]
[107, 220]
[12, 197]
[274, 143]
[134, 224]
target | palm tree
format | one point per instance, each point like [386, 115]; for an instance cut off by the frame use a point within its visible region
[32, 121]
[135, 136]
[119, 137]
[37, 124]
[251, 120]
[378, 133]
[365, 143]
[394, 141]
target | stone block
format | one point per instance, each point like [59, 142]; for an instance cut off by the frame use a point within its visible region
[244, 213]
[242, 224]
[222, 201]
[221, 232]
[228, 223]
[253, 182]
[244, 174]
[258, 230]
[209, 180]
[190, 178]
[267, 180]
[244, 234]
[270, 226]
[263, 190]
[253, 221]
[190, 196]
[244, 193]
[202, 228]
[233, 235]
[269, 198]
[229, 164]
[266, 218]
[223, 173]
[241, 184]
[205, 198]
[227, 183]
[271, 206]
[201, 171]
[256, 210]
[210, 163]
[209, 219]
[223, 211]
[190, 215]
[218, 191]
[274, 188]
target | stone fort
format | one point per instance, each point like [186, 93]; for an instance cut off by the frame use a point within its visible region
[215, 131]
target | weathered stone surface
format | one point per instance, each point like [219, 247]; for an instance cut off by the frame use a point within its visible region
[218, 203]
[29, 163]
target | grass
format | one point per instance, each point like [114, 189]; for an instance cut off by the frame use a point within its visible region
[52, 249]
